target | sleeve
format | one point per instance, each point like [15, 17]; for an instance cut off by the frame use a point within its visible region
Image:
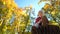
[37, 20]
[44, 19]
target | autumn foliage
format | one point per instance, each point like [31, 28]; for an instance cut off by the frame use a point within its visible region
[12, 18]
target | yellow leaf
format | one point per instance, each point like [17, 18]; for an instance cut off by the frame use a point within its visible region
[49, 12]
[22, 24]
[53, 12]
[55, 24]
[46, 6]
[51, 7]
[0, 22]
[57, 2]
[4, 3]
[25, 15]
[4, 29]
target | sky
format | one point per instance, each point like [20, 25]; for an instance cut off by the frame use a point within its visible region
[24, 3]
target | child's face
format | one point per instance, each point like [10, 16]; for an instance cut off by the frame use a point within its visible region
[40, 14]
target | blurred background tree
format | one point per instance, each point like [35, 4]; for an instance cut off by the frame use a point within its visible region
[13, 19]
[52, 10]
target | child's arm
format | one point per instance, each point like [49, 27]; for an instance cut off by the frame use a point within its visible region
[37, 24]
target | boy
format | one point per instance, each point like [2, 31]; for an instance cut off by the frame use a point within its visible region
[39, 19]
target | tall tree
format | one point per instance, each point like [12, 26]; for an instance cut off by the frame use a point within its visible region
[52, 10]
[12, 18]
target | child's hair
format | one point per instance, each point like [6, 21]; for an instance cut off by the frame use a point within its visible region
[40, 11]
